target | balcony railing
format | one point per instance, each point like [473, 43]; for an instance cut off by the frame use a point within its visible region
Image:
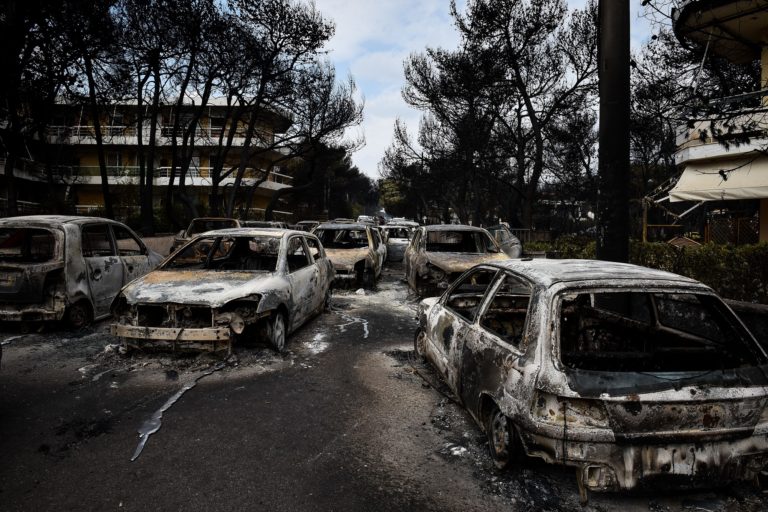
[165, 172]
[122, 134]
[739, 126]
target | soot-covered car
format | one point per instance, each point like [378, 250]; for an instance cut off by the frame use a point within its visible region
[66, 268]
[438, 254]
[631, 375]
[225, 285]
[201, 225]
[356, 250]
[398, 237]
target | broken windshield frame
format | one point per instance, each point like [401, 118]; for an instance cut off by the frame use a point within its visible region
[230, 253]
[343, 238]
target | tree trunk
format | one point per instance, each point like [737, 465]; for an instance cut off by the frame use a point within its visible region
[94, 104]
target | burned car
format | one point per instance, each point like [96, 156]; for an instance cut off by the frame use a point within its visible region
[356, 250]
[633, 376]
[201, 225]
[397, 237]
[66, 268]
[225, 285]
[438, 254]
[508, 242]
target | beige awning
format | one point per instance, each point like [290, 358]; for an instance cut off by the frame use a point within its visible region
[724, 180]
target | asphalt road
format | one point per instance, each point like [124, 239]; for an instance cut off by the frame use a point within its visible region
[345, 420]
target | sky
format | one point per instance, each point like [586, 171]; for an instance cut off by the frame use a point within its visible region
[374, 37]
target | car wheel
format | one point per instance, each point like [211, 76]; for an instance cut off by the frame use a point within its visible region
[369, 279]
[420, 344]
[276, 331]
[500, 435]
[78, 315]
[327, 302]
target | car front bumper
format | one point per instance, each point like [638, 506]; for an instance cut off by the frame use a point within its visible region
[178, 338]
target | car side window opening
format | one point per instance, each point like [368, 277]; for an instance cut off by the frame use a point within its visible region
[651, 332]
[296, 256]
[507, 310]
[127, 244]
[97, 241]
[314, 248]
[467, 295]
[376, 239]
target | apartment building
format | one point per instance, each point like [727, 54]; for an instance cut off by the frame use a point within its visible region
[711, 171]
[70, 150]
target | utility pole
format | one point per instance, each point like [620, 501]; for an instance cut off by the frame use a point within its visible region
[613, 164]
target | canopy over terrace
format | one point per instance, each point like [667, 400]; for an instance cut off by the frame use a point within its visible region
[719, 181]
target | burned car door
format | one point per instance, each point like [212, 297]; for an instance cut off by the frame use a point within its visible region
[132, 253]
[379, 248]
[321, 262]
[103, 268]
[495, 347]
[303, 275]
[453, 320]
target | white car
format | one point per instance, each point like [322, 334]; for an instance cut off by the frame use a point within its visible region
[628, 374]
[227, 285]
[356, 250]
[66, 268]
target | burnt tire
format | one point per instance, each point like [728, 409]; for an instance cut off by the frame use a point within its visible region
[327, 304]
[368, 279]
[276, 332]
[420, 344]
[78, 315]
[501, 438]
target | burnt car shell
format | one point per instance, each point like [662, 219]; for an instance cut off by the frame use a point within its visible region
[580, 359]
[241, 288]
[356, 260]
[429, 271]
[66, 267]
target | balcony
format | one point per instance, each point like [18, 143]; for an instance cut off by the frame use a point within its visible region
[196, 176]
[737, 134]
[120, 135]
[724, 157]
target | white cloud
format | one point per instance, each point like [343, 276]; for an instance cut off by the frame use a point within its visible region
[372, 40]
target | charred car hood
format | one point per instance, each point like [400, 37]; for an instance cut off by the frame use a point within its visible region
[347, 257]
[199, 287]
[458, 262]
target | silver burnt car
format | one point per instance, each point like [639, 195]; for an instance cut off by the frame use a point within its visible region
[356, 250]
[630, 375]
[439, 253]
[224, 285]
[66, 267]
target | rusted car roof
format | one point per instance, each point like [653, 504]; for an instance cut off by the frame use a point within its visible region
[53, 220]
[453, 227]
[275, 232]
[546, 272]
[351, 225]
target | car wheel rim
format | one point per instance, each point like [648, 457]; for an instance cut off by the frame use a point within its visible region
[278, 332]
[499, 435]
[421, 338]
[78, 316]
